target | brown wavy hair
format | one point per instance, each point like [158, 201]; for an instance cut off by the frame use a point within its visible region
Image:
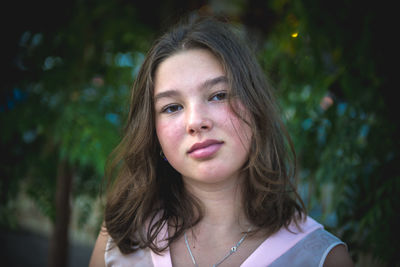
[147, 192]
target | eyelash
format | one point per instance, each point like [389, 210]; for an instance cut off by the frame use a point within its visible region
[224, 93]
[177, 107]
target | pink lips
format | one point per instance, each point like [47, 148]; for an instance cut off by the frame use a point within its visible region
[205, 149]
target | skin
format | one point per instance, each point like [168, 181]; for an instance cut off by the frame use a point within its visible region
[191, 106]
[97, 258]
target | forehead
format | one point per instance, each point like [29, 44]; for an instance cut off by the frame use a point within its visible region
[187, 68]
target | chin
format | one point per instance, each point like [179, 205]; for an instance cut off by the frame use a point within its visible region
[212, 177]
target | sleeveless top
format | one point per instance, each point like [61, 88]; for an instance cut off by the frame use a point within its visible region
[295, 248]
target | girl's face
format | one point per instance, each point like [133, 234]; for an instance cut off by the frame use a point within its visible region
[199, 134]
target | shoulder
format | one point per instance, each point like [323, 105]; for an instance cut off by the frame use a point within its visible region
[338, 256]
[107, 253]
[97, 258]
[312, 246]
[324, 245]
[114, 257]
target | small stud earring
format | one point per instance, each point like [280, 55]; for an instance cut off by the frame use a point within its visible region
[163, 156]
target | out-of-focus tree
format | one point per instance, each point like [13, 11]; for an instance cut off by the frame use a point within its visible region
[62, 108]
[331, 65]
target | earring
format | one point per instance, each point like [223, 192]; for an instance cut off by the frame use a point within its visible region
[163, 156]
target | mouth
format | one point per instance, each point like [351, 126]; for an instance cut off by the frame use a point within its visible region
[205, 149]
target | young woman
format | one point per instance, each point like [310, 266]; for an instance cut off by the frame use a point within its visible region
[204, 173]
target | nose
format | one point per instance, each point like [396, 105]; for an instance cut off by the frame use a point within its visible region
[198, 120]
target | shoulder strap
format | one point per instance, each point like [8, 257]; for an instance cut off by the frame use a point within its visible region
[281, 242]
[114, 257]
[310, 251]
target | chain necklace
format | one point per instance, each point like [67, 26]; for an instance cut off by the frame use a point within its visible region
[231, 251]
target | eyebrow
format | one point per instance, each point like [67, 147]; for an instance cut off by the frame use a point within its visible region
[206, 84]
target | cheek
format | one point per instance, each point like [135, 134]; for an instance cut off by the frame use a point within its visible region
[237, 114]
[168, 135]
[239, 129]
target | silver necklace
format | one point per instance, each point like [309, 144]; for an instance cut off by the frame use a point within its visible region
[231, 251]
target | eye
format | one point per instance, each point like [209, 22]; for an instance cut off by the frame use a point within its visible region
[219, 96]
[171, 108]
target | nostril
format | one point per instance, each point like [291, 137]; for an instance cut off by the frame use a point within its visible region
[199, 126]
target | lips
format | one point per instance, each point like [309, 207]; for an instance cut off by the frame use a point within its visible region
[205, 149]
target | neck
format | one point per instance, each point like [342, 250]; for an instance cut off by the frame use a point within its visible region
[223, 209]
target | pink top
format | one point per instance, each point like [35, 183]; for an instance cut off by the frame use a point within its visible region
[269, 251]
[279, 243]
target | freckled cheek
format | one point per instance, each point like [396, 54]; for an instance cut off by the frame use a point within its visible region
[237, 127]
[169, 135]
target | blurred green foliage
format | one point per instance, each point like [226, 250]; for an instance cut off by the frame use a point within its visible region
[70, 103]
[325, 60]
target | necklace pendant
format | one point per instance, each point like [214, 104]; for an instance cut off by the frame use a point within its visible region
[232, 250]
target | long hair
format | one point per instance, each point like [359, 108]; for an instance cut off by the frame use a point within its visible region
[147, 192]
